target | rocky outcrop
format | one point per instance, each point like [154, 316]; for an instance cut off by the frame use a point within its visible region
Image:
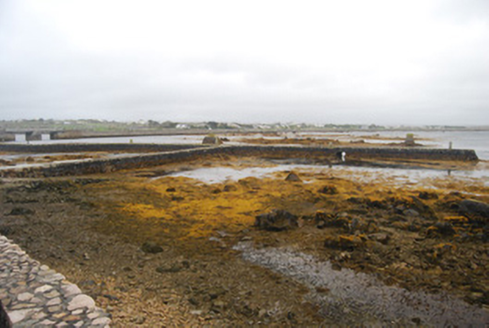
[277, 220]
[211, 140]
[293, 177]
[474, 210]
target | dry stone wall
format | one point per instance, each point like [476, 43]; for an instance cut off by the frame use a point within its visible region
[194, 152]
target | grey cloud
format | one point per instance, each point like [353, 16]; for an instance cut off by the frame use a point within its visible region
[42, 74]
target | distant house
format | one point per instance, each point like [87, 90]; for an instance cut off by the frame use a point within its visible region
[182, 126]
[20, 137]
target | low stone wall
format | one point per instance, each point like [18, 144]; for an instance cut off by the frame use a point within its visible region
[356, 153]
[36, 296]
[275, 152]
[80, 148]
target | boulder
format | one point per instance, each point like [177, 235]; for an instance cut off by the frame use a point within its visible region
[426, 195]
[380, 237]
[345, 242]
[440, 229]
[341, 220]
[474, 210]
[151, 248]
[276, 220]
[21, 211]
[293, 177]
[211, 140]
[328, 190]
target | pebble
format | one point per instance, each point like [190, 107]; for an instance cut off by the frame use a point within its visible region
[35, 295]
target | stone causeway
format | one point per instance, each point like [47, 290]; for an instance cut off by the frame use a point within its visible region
[33, 295]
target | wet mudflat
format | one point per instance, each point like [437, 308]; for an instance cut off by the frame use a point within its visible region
[176, 250]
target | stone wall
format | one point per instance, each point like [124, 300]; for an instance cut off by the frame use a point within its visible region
[272, 152]
[79, 148]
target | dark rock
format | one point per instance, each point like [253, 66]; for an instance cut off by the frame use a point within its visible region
[291, 316]
[474, 210]
[171, 189]
[399, 209]
[216, 292]
[423, 209]
[139, 320]
[321, 224]
[211, 140]
[342, 220]
[218, 306]
[397, 218]
[228, 188]
[293, 177]
[410, 212]
[276, 220]
[343, 242]
[441, 228]
[413, 227]
[21, 211]
[416, 321]
[377, 204]
[381, 237]
[87, 283]
[111, 297]
[193, 301]
[5, 230]
[151, 248]
[356, 200]
[328, 190]
[335, 266]
[169, 269]
[322, 290]
[427, 195]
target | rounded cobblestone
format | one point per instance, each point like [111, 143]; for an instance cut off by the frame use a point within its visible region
[35, 295]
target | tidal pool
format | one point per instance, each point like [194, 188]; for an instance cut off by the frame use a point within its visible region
[352, 298]
[389, 176]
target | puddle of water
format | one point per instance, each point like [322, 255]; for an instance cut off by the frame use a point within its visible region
[21, 165]
[361, 174]
[222, 174]
[359, 298]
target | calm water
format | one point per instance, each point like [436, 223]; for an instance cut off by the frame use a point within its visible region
[388, 176]
[359, 299]
[476, 140]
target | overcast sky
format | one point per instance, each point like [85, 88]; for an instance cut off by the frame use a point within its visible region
[350, 61]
